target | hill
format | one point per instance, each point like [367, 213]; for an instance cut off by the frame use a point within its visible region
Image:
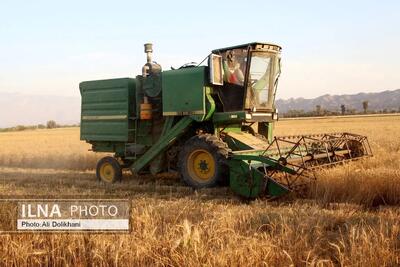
[389, 100]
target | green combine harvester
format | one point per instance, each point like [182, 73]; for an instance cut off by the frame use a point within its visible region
[213, 124]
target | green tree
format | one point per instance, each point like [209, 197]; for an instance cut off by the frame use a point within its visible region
[343, 108]
[51, 124]
[318, 109]
[20, 128]
[365, 106]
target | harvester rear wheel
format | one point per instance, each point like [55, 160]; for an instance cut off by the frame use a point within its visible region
[108, 170]
[203, 161]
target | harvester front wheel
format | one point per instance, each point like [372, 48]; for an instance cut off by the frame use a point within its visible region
[108, 170]
[203, 161]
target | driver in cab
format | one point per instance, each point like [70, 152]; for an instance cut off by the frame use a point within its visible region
[232, 71]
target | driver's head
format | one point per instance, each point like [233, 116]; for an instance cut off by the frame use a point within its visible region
[231, 57]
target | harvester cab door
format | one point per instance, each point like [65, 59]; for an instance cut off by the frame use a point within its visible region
[262, 74]
[232, 65]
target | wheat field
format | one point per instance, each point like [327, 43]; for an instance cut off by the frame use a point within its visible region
[351, 217]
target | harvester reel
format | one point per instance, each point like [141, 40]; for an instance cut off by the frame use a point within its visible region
[203, 161]
[304, 154]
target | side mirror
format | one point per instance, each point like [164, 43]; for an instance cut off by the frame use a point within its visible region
[215, 66]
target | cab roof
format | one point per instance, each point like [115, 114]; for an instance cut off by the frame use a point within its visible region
[254, 45]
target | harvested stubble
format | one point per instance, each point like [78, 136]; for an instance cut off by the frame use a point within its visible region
[350, 218]
[191, 231]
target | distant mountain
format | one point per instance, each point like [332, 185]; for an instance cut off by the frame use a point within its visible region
[389, 100]
[21, 109]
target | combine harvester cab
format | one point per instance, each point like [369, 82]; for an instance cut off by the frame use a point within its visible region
[213, 124]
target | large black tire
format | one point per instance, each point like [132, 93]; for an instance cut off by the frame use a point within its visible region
[108, 170]
[203, 161]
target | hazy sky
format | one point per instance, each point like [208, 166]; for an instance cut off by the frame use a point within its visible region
[335, 47]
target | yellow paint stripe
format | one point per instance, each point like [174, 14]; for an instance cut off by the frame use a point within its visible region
[107, 117]
[196, 112]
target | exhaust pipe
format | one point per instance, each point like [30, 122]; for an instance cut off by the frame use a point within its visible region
[150, 67]
[148, 49]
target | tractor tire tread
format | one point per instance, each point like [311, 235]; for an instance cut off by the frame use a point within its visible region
[218, 148]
